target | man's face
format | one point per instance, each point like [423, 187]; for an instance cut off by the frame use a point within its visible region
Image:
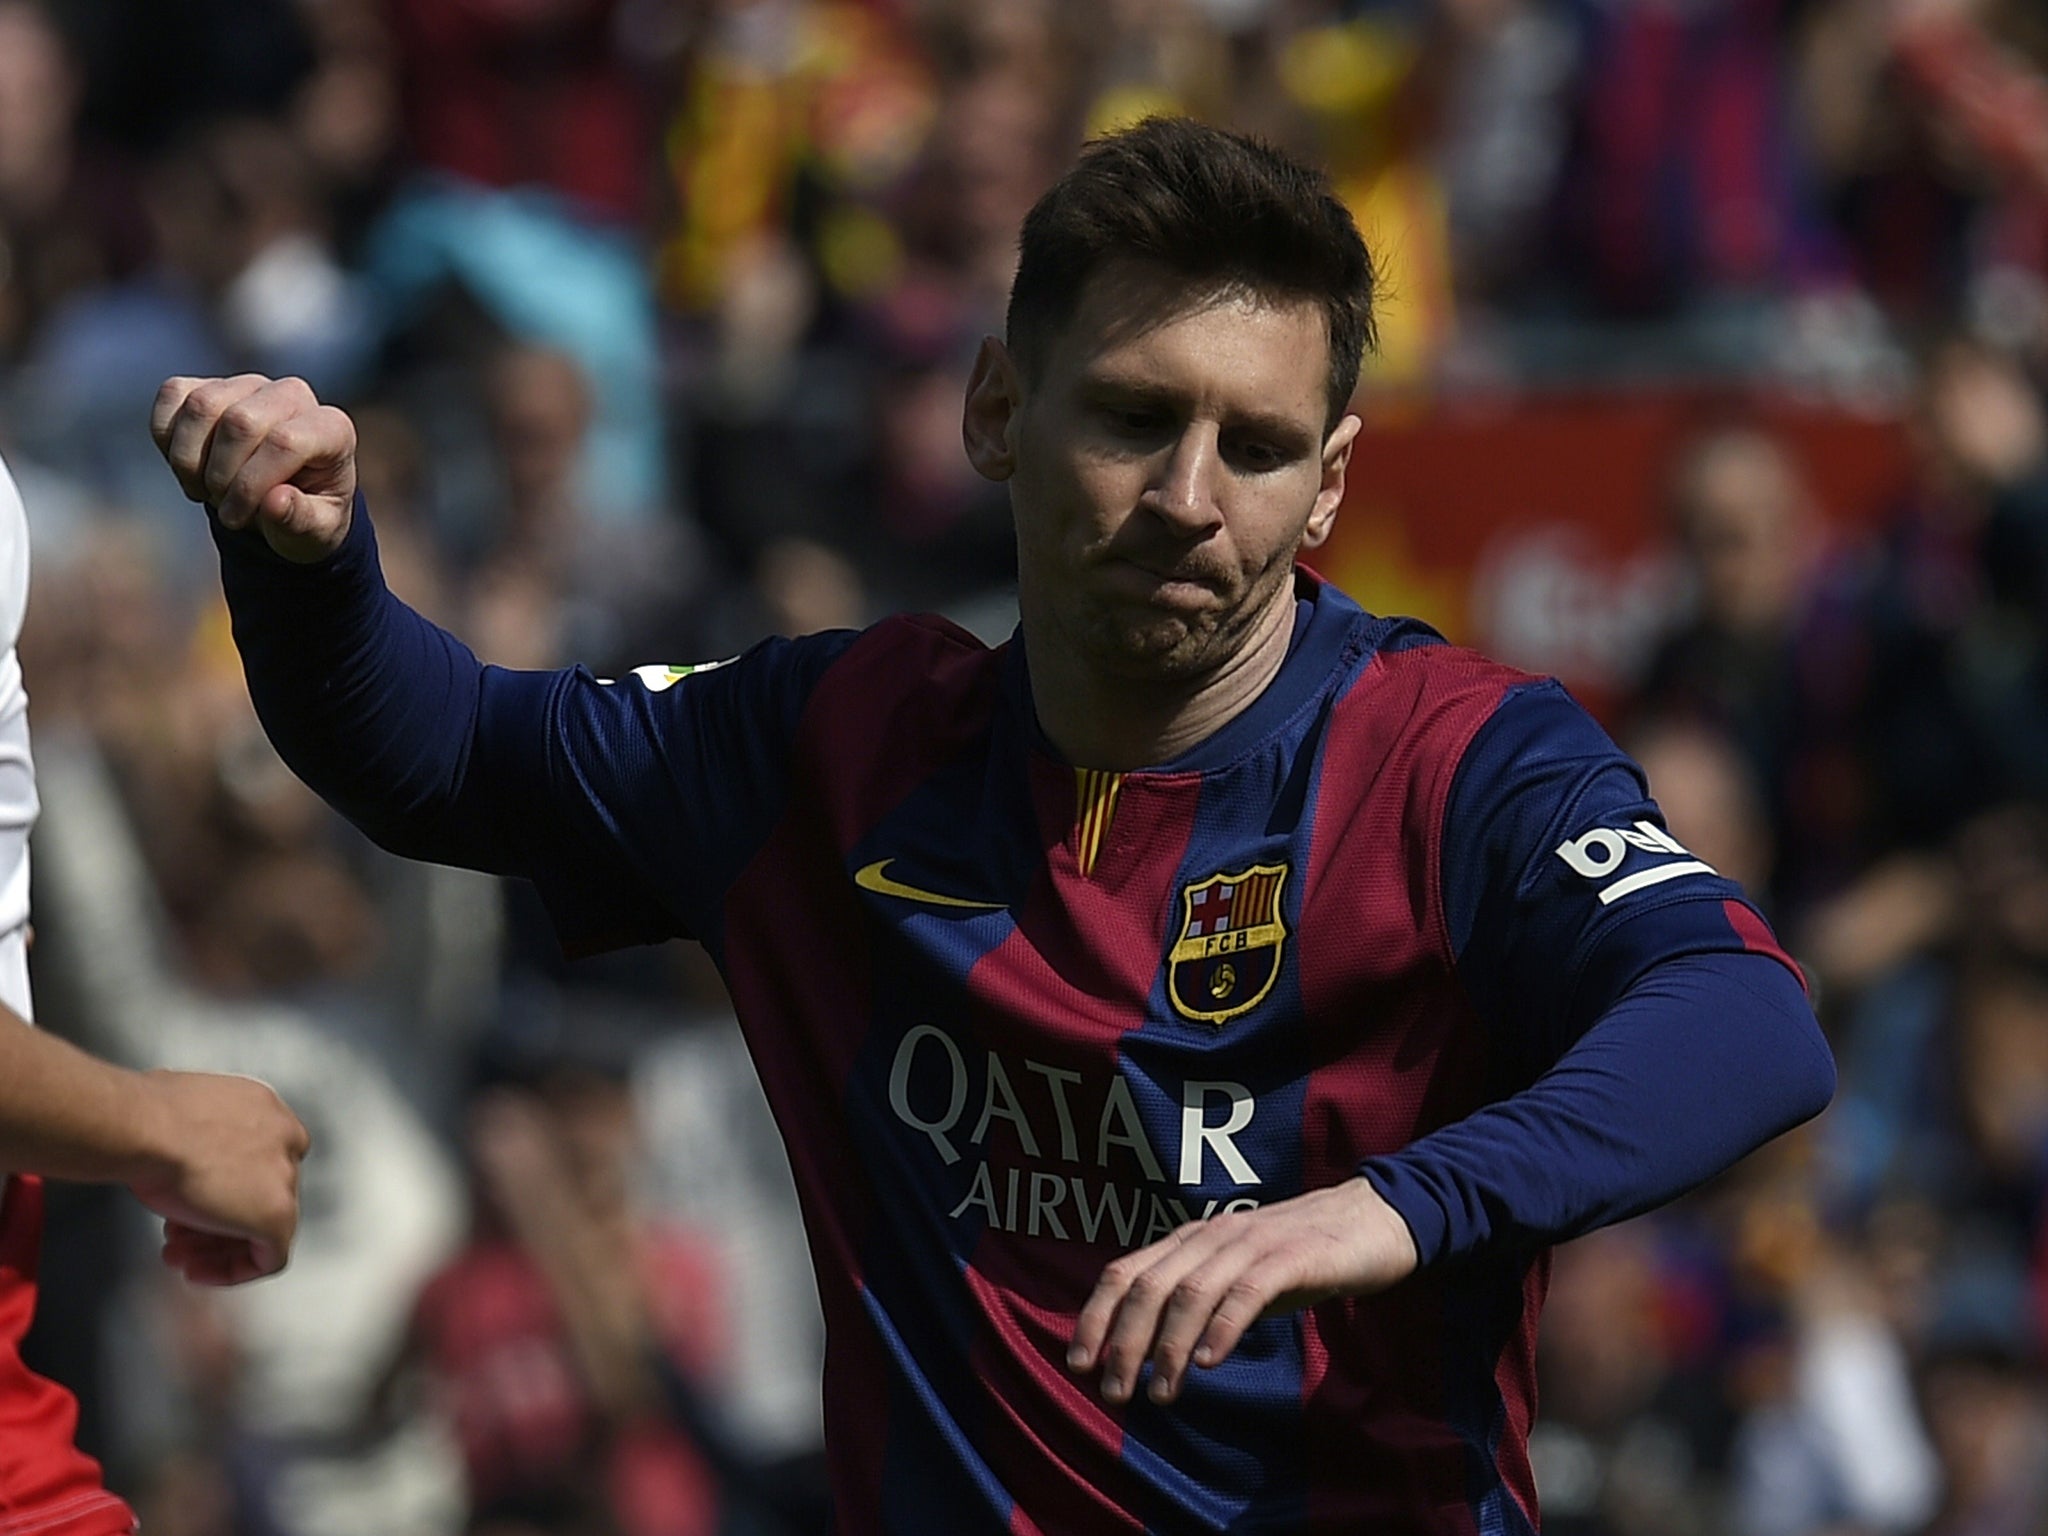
[1744, 528]
[1166, 464]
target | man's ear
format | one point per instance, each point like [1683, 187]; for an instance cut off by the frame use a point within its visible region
[1322, 517]
[988, 421]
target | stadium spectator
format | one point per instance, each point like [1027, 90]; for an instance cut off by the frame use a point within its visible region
[1747, 545]
[1684, 184]
[1837, 1442]
[1987, 1413]
[71, 218]
[1618, 1450]
[1507, 71]
[531, 144]
[553, 576]
[1928, 123]
[554, 1338]
[1927, 667]
[1711, 798]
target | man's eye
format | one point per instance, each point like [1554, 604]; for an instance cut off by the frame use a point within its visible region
[1135, 423]
[1259, 456]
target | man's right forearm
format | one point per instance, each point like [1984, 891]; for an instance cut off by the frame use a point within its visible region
[368, 702]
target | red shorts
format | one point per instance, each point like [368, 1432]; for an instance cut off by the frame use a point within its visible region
[48, 1487]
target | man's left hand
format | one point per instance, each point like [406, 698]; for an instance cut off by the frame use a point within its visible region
[1192, 1295]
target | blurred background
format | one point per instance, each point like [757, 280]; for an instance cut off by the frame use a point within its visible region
[1710, 381]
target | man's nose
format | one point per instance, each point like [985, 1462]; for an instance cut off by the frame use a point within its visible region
[1183, 493]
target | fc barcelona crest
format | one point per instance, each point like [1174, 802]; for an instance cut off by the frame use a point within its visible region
[1228, 952]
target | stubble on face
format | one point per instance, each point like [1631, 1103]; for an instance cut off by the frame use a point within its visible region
[1138, 637]
[1169, 591]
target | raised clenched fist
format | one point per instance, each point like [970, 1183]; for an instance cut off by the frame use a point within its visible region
[262, 452]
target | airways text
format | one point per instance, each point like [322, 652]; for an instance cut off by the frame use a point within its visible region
[1058, 1116]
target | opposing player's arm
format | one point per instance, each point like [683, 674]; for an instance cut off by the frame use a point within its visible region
[216, 1156]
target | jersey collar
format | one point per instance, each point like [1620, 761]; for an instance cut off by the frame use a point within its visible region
[1327, 629]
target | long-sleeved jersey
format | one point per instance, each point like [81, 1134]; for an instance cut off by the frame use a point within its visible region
[1410, 914]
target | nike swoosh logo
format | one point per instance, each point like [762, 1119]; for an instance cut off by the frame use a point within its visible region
[873, 877]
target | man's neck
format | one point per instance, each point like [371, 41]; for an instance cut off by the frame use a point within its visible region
[1122, 723]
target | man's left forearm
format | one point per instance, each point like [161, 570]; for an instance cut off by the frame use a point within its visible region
[1701, 1061]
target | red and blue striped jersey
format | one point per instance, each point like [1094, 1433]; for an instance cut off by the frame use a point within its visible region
[1410, 913]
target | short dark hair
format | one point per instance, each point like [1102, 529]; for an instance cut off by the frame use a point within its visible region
[1219, 208]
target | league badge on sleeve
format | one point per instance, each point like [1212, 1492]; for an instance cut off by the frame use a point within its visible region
[1228, 953]
[657, 678]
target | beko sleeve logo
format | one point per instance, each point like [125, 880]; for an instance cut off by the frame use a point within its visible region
[1602, 852]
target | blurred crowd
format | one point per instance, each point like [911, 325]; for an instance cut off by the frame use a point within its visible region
[653, 316]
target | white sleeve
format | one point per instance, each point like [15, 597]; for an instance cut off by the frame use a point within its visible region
[18, 804]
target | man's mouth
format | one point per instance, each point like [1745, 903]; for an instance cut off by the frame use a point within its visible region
[1168, 566]
[1167, 586]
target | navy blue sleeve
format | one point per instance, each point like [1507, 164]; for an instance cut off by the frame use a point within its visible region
[631, 805]
[1645, 1028]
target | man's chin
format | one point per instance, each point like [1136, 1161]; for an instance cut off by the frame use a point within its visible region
[1154, 646]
